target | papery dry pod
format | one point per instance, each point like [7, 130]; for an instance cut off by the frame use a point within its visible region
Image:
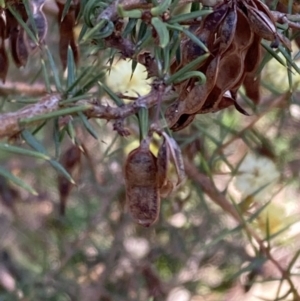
[4, 63]
[21, 48]
[14, 32]
[232, 69]
[146, 177]
[227, 29]
[206, 33]
[263, 24]
[142, 189]
[66, 31]
[41, 25]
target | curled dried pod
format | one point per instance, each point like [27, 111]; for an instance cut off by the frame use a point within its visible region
[141, 180]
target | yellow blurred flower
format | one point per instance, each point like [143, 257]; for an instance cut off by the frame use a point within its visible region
[273, 218]
[256, 176]
[121, 80]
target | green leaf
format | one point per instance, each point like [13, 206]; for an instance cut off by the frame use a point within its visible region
[201, 76]
[35, 144]
[71, 67]
[58, 113]
[87, 125]
[189, 34]
[22, 23]
[7, 175]
[143, 116]
[162, 31]
[132, 23]
[71, 131]
[134, 13]
[161, 8]
[118, 101]
[273, 53]
[189, 16]
[187, 68]
[54, 70]
[22, 151]
[66, 9]
[289, 59]
[46, 76]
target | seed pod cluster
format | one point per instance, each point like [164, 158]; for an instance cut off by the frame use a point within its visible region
[232, 33]
[21, 45]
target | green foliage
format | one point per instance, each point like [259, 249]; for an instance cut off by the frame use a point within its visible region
[212, 239]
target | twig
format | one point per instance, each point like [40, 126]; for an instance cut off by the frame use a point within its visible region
[10, 122]
[13, 88]
[291, 20]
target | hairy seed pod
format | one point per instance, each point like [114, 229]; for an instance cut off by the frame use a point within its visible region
[142, 191]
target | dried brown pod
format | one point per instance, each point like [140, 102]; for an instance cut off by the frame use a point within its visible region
[41, 25]
[252, 87]
[71, 162]
[263, 24]
[190, 102]
[66, 32]
[231, 70]
[227, 29]
[15, 34]
[21, 48]
[206, 33]
[141, 180]
[146, 177]
[4, 63]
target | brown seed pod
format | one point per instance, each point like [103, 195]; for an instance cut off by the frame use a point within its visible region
[4, 63]
[14, 32]
[66, 32]
[41, 25]
[70, 161]
[227, 29]
[141, 180]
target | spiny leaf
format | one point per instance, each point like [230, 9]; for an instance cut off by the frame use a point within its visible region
[193, 64]
[7, 175]
[162, 31]
[35, 144]
[161, 8]
[22, 151]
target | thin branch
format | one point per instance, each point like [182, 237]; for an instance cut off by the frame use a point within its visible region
[13, 88]
[10, 122]
[291, 20]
